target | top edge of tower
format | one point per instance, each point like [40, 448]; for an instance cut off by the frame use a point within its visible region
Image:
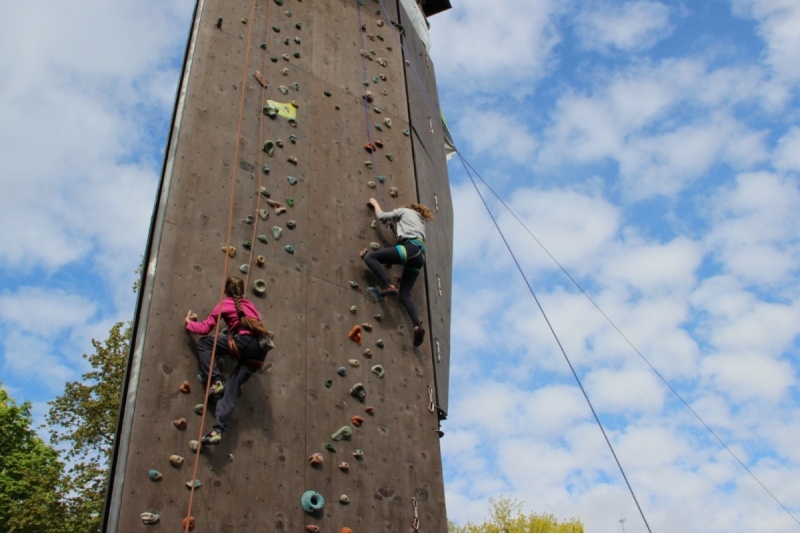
[432, 7]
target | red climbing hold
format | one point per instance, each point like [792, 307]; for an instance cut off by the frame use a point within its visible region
[370, 410]
[355, 334]
[369, 147]
[357, 420]
[188, 523]
[185, 387]
[312, 528]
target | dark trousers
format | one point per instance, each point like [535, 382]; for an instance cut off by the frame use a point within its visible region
[240, 374]
[412, 258]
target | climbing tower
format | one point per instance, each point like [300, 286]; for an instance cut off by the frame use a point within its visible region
[290, 115]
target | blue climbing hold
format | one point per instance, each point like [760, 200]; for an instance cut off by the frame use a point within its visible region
[312, 501]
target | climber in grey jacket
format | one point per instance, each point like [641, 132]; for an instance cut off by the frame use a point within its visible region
[409, 252]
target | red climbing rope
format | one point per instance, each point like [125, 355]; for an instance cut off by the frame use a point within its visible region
[187, 523]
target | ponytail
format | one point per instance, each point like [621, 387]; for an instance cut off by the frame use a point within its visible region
[234, 288]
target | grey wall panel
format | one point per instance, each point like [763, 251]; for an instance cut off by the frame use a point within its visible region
[254, 479]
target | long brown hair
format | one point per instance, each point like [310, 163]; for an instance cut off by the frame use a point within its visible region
[423, 210]
[234, 288]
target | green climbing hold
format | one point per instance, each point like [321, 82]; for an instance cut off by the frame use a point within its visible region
[379, 36]
[343, 433]
[264, 214]
[259, 287]
[378, 370]
[276, 232]
[379, 127]
[276, 29]
[296, 55]
[326, 93]
[381, 179]
[274, 59]
[246, 244]
[262, 238]
[194, 445]
[244, 268]
[328, 383]
[389, 48]
[296, 86]
[290, 202]
[265, 169]
[375, 246]
[330, 447]
[390, 157]
[289, 249]
[263, 46]
[312, 502]
[298, 25]
[269, 146]
[279, 2]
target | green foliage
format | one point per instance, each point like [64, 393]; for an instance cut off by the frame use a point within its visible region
[30, 471]
[85, 419]
[506, 515]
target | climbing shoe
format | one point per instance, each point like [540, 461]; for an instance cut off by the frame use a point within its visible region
[212, 438]
[419, 335]
[389, 290]
[217, 389]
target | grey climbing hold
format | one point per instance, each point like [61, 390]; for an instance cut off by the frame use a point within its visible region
[149, 518]
[249, 219]
[368, 353]
[286, 58]
[263, 46]
[359, 392]
[382, 62]
[259, 287]
[375, 293]
[293, 139]
[371, 184]
[276, 232]
[289, 249]
[295, 86]
[176, 460]
[198, 409]
[312, 502]
[358, 454]
[279, 142]
[293, 122]
[292, 159]
[193, 483]
[262, 238]
[367, 326]
[264, 214]
[154, 475]
[269, 145]
[373, 224]
[285, 71]
[341, 371]
[344, 499]
[194, 445]
[297, 39]
[378, 317]
[343, 433]
[378, 127]
[244, 268]
[291, 225]
[287, 13]
[375, 246]
[378, 370]
[379, 343]
[292, 180]
[354, 362]
[353, 284]
[282, 88]
[381, 179]
[406, 133]
[353, 309]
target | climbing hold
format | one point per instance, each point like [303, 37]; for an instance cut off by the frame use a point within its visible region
[353, 309]
[219, 22]
[373, 224]
[354, 362]
[276, 206]
[393, 192]
[346, 529]
[149, 518]
[290, 202]
[378, 370]
[244, 268]
[359, 392]
[355, 334]
[244, 20]
[154, 475]
[296, 54]
[198, 409]
[298, 25]
[297, 39]
[370, 410]
[249, 219]
[269, 146]
[380, 129]
[196, 483]
[375, 79]
[353, 284]
[264, 214]
[246, 244]
[264, 191]
[369, 147]
[312, 501]
[344, 499]
[180, 424]
[279, 2]
[381, 179]
[194, 445]
[326, 93]
[315, 459]
[330, 447]
[291, 225]
[293, 122]
[343, 433]
[279, 142]
[289, 249]
[341, 371]
[295, 86]
[368, 96]
[388, 122]
[274, 59]
[185, 387]
[368, 164]
[285, 71]
[262, 238]
[406, 133]
[379, 22]
[276, 29]
[383, 77]
[293, 139]
[357, 420]
[259, 287]
[390, 157]
[368, 352]
[188, 523]
[379, 343]
[260, 78]
[371, 184]
[276, 232]
[260, 260]
[287, 13]
[375, 246]
[328, 383]
[382, 62]
[292, 180]
[378, 142]
[358, 454]
[367, 326]
[282, 88]
[263, 46]
[292, 159]
[312, 528]
[176, 460]
[230, 251]
[344, 466]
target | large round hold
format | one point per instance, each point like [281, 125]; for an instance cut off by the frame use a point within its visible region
[312, 501]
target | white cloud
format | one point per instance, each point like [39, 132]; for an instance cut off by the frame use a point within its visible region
[778, 21]
[787, 153]
[627, 27]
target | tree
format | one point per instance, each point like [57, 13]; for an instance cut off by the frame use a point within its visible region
[85, 418]
[30, 473]
[506, 515]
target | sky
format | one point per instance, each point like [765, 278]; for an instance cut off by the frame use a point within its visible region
[652, 149]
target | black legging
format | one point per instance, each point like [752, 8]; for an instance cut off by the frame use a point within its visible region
[412, 258]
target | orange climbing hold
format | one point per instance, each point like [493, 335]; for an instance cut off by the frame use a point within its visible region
[370, 410]
[346, 529]
[355, 334]
[188, 523]
[369, 147]
[260, 78]
[357, 420]
[315, 459]
[185, 387]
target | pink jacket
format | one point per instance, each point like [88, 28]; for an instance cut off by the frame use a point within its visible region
[228, 311]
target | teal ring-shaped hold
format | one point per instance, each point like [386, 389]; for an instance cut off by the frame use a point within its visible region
[311, 501]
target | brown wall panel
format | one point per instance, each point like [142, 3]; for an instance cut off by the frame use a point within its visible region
[254, 479]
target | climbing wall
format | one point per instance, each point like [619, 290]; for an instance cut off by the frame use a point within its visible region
[290, 115]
